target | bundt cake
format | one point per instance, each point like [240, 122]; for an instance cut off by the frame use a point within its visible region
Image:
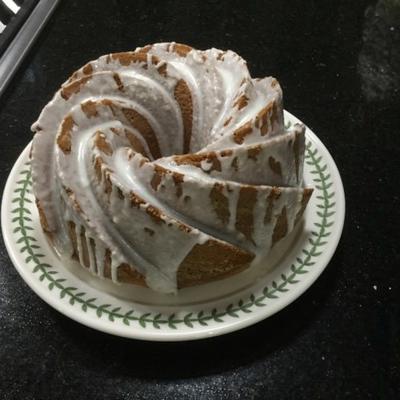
[167, 166]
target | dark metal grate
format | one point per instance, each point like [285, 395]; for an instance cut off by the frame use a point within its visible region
[13, 14]
[21, 20]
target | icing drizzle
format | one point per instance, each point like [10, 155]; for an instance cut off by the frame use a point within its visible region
[143, 156]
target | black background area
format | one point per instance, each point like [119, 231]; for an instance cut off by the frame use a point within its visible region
[338, 63]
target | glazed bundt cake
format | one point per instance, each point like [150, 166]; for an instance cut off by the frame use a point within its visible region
[167, 166]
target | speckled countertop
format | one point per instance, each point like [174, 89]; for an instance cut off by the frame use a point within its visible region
[339, 65]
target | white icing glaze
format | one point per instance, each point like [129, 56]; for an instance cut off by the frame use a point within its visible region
[131, 102]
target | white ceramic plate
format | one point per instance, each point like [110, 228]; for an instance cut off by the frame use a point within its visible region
[209, 310]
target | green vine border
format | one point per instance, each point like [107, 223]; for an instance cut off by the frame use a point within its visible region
[48, 274]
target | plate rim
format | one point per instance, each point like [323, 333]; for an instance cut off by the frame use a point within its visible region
[174, 335]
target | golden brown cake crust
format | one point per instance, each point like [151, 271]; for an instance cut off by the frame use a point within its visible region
[205, 263]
